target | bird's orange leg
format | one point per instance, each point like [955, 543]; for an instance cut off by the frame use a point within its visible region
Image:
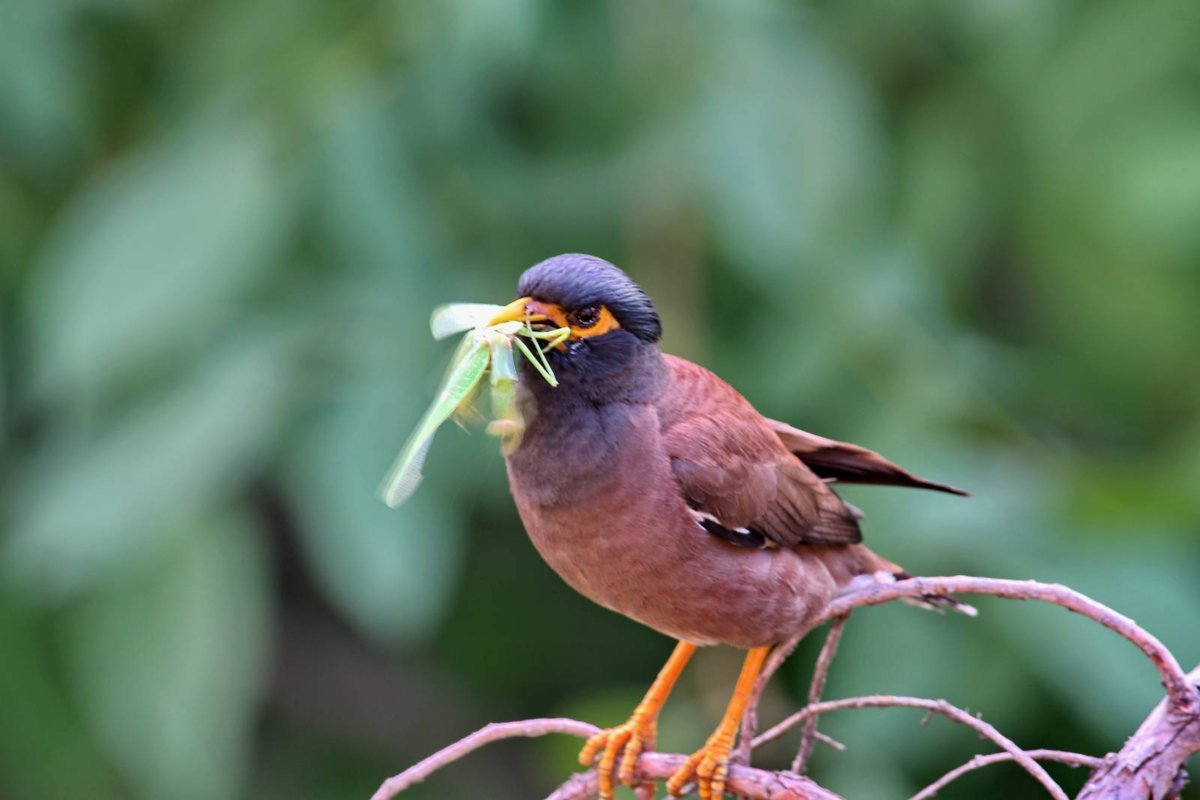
[709, 765]
[636, 735]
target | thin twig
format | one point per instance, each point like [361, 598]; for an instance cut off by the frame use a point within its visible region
[935, 706]
[979, 761]
[816, 688]
[756, 784]
[829, 741]
[485, 735]
[1179, 691]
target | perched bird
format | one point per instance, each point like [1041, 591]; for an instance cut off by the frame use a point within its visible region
[656, 490]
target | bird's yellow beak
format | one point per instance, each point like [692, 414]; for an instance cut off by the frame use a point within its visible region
[514, 311]
[526, 308]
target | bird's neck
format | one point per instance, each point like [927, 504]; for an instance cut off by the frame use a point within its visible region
[597, 376]
[573, 431]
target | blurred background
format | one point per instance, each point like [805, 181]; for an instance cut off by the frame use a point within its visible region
[962, 234]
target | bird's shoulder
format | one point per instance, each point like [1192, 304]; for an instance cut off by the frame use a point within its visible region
[694, 396]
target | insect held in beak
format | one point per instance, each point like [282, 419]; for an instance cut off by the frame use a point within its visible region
[492, 333]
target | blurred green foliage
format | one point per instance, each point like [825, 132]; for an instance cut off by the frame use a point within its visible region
[963, 234]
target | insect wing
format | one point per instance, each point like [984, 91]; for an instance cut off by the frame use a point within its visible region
[455, 318]
[405, 475]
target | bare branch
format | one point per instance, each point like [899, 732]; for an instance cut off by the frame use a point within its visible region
[485, 735]
[829, 741]
[816, 687]
[979, 761]
[1151, 764]
[580, 786]
[755, 784]
[1179, 691]
[934, 706]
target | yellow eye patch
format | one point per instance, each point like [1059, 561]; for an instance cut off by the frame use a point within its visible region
[583, 322]
[591, 321]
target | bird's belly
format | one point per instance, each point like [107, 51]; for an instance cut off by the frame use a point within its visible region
[665, 571]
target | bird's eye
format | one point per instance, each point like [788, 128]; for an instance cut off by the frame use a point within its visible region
[585, 317]
[588, 321]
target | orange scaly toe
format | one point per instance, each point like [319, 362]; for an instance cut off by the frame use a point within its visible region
[628, 741]
[708, 766]
[636, 736]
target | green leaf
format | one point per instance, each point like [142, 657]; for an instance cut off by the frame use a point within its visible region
[3, 399]
[392, 571]
[84, 508]
[374, 214]
[40, 95]
[168, 662]
[46, 749]
[152, 253]
[784, 184]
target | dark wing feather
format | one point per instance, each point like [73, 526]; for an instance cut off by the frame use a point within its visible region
[731, 465]
[850, 463]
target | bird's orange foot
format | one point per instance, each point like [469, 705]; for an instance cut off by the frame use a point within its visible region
[628, 741]
[708, 766]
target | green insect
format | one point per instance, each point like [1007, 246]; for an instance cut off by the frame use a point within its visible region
[486, 348]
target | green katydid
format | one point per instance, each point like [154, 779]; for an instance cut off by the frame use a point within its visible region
[486, 348]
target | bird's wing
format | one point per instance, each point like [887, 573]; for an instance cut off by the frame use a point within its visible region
[735, 472]
[850, 463]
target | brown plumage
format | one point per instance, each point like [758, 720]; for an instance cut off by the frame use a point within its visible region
[658, 491]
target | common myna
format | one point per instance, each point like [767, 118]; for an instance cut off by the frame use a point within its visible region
[655, 489]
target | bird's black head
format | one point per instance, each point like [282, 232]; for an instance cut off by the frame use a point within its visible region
[611, 352]
[590, 296]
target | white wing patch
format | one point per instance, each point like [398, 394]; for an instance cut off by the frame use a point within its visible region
[703, 516]
[730, 533]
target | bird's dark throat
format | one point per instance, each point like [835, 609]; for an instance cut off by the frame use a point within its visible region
[614, 368]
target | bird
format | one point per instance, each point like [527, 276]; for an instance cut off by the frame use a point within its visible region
[655, 489]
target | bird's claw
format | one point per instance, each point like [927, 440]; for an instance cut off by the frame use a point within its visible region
[708, 766]
[628, 741]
